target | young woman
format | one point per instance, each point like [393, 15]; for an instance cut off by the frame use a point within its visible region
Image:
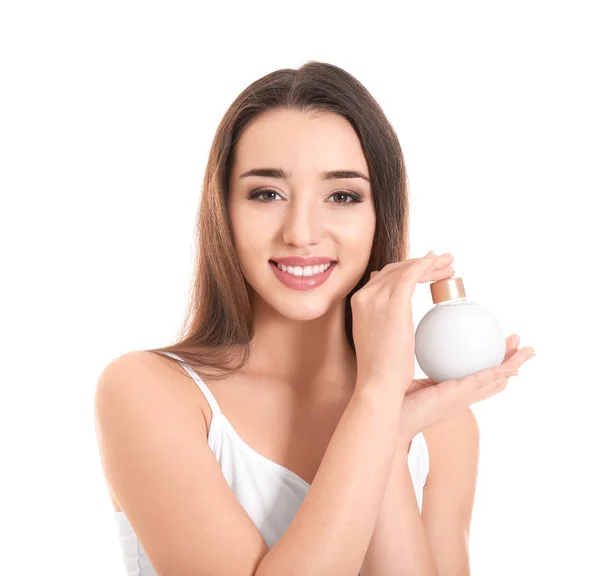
[284, 433]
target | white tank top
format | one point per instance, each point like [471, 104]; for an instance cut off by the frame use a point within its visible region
[270, 493]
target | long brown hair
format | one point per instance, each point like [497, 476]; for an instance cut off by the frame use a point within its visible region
[218, 324]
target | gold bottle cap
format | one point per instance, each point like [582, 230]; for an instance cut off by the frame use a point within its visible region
[448, 289]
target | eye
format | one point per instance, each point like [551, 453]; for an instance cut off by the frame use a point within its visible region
[260, 194]
[355, 197]
[254, 195]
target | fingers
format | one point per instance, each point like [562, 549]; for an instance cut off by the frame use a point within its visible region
[515, 357]
[488, 382]
[479, 382]
[444, 260]
[476, 387]
[512, 345]
[438, 274]
[440, 269]
[510, 348]
[435, 267]
[502, 371]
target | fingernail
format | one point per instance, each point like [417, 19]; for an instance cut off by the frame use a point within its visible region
[518, 340]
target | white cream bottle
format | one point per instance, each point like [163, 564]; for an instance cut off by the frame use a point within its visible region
[457, 337]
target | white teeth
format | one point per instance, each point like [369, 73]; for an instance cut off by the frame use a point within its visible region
[306, 271]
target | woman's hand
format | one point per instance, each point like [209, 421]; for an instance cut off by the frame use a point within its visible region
[382, 326]
[426, 403]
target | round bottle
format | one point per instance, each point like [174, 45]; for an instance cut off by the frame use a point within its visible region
[457, 337]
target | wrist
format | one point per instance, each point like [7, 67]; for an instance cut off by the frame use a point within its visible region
[380, 388]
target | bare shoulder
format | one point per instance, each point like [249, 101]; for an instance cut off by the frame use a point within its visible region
[139, 362]
[148, 389]
[141, 376]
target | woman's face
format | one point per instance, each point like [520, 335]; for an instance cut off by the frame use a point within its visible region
[305, 215]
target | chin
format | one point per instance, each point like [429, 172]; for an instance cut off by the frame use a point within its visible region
[296, 309]
[303, 314]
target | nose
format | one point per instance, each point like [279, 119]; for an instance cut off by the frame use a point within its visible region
[302, 223]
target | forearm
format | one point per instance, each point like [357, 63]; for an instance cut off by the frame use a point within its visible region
[399, 545]
[330, 533]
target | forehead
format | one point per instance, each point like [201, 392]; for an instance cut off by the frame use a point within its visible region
[300, 142]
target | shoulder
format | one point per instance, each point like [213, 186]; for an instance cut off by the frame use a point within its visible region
[133, 372]
[140, 361]
[452, 443]
[141, 378]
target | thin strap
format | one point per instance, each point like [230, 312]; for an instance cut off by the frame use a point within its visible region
[206, 391]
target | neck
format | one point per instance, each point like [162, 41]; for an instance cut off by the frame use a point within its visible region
[312, 356]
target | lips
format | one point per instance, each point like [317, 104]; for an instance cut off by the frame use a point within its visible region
[301, 282]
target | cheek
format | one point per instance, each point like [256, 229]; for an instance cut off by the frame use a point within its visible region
[252, 240]
[243, 227]
[250, 230]
[356, 236]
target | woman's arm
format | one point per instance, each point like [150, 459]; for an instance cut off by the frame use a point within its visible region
[449, 493]
[435, 542]
[331, 530]
[399, 545]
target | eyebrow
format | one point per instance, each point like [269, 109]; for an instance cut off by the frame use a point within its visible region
[279, 173]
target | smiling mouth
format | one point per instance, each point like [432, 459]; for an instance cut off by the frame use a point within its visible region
[299, 281]
[288, 267]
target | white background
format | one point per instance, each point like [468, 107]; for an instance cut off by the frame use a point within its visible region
[107, 113]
